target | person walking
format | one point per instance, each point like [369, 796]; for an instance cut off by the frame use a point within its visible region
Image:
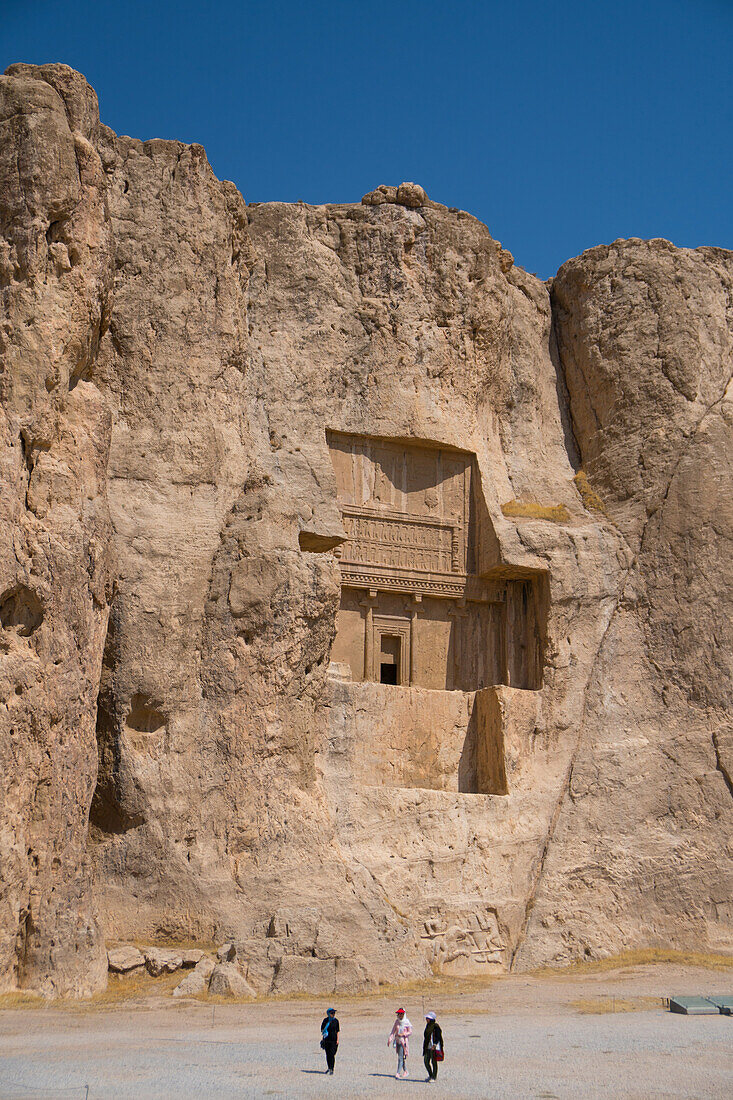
[400, 1034]
[432, 1045]
[330, 1038]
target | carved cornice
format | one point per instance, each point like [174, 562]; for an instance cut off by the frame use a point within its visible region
[449, 586]
[400, 517]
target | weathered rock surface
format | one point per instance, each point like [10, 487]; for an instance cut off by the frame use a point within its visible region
[228, 981]
[411, 195]
[160, 960]
[56, 273]
[197, 980]
[191, 957]
[644, 841]
[172, 361]
[124, 959]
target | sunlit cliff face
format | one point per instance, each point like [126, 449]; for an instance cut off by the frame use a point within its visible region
[361, 602]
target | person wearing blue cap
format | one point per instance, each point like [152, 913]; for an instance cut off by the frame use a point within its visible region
[330, 1038]
[432, 1045]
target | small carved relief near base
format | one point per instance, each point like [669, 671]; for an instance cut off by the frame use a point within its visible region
[463, 941]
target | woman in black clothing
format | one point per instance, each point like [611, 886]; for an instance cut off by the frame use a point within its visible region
[432, 1041]
[330, 1038]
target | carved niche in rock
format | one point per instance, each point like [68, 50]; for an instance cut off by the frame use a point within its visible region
[415, 609]
[21, 610]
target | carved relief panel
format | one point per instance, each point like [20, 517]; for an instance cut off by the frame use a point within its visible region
[464, 941]
[401, 542]
[407, 512]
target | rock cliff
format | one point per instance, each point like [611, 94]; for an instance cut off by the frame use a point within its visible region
[644, 842]
[238, 441]
[56, 270]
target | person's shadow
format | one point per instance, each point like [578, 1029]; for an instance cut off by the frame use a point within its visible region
[408, 1080]
[390, 1076]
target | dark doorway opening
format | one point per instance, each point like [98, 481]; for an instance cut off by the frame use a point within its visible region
[389, 660]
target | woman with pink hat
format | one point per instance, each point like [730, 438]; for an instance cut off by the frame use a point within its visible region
[401, 1030]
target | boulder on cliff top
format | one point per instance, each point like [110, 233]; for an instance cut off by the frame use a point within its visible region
[407, 194]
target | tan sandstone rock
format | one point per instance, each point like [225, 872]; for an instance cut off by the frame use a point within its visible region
[159, 960]
[349, 436]
[196, 981]
[124, 959]
[411, 194]
[191, 956]
[374, 198]
[642, 850]
[55, 548]
[228, 981]
[296, 974]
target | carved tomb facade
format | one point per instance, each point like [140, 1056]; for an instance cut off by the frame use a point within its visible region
[415, 610]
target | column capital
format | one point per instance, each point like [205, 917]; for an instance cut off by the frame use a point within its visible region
[414, 604]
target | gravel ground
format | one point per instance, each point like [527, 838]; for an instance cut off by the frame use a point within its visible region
[519, 1038]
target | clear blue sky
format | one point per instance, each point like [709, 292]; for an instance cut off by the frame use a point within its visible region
[560, 123]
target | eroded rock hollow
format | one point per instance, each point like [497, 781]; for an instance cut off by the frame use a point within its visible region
[364, 601]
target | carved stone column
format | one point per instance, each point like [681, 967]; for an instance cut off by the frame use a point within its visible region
[414, 611]
[455, 549]
[368, 604]
[504, 638]
[457, 614]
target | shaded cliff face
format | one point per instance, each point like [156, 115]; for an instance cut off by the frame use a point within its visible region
[175, 360]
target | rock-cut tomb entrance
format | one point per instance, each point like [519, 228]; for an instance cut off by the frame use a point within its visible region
[423, 606]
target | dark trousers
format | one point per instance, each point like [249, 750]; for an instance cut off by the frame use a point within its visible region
[330, 1049]
[431, 1064]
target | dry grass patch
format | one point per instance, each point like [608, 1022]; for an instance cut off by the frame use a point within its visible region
[599, 1006]
[644, 956]
[588, 495]
[214, 999]
[441, 985]
[20, 999]
[530, 509]
[140, 989]
[137, 985]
